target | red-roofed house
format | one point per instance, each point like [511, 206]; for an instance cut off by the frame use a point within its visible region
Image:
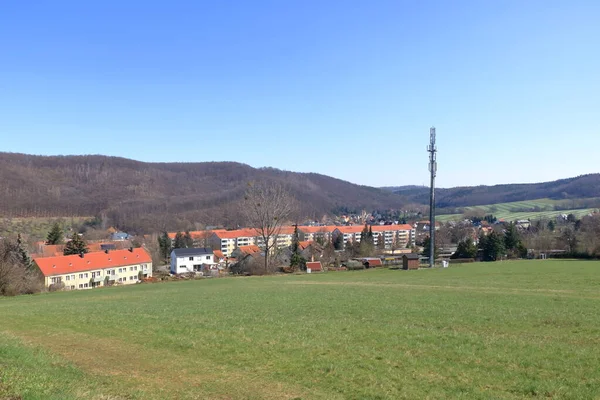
[96, 268]
[313, 266]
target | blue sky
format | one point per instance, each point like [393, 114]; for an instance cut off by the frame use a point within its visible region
[344, 88]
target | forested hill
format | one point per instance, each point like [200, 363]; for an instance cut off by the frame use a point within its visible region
[148, 196]
[584, 186]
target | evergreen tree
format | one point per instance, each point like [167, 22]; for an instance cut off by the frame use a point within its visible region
[465, 249]
[164, 244]
[187, 238]
[338, 242]
[511, 237]
[23, 254]
[493, 247]
[55, 236]
[551, 226]
[426, 247]
[296, 260]
[75, 246]
[179, 242]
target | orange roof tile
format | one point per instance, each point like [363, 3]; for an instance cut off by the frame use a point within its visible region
[251, 249]
[314, 265]
[218, 253]
[389, 228]
[247, 232]
[90, 261]
[304, 244]
[315, 229]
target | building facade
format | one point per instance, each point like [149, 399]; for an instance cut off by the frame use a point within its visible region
[95, 269]
[191, 260]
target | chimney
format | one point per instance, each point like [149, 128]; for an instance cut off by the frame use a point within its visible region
[81, 254]
[131, 249]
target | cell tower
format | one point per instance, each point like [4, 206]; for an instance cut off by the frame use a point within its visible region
[432, 150]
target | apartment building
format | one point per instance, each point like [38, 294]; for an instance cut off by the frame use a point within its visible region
[227, 241]
[398, 236]
[101, 268]
[316, 233]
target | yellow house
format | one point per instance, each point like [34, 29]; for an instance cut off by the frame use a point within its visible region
[95, 269]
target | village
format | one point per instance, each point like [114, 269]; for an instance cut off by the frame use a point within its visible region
[122, 259]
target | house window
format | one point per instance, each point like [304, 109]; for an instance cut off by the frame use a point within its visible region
[72, 287]
[85, 275]
[68, 278]
[72, 277]
[145, 267]
[208, 257]
[80, 276]
[85, 285]
[191, 258]
[80, 286]
[135, 268]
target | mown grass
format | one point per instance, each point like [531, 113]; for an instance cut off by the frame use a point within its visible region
[508, 330]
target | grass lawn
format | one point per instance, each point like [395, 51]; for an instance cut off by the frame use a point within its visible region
[507, 330]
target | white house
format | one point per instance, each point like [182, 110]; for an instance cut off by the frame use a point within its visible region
[191, 260]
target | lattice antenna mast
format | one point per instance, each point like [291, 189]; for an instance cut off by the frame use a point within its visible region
[432, 150]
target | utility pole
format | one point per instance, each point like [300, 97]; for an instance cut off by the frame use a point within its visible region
[433, 170]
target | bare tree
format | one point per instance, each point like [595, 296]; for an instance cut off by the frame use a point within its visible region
[267, 208]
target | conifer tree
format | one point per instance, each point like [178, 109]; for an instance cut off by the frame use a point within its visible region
[179, 242]
[55, 236]
[23, 254]
[75, 246]
[164, 244]
[187, 238]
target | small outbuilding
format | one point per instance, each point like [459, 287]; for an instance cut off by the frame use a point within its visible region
[410, 261]
[313, 266]
[372, 262]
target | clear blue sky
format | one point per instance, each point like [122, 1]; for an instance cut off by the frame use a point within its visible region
[344, 88]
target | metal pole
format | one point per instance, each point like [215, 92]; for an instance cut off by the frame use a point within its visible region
[433, 170]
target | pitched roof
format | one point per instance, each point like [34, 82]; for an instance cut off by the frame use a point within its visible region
[389, 228]
[314, 265]
[246, 232]
[350, 229]
[197, 234]
[411, 256]
[373, 262]
[218, 254]
[304, 244]
[192, 251]
[251, 249]
[315, 229]
[90, 261]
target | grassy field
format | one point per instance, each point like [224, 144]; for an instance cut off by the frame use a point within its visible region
[508, 330]
[536, 209]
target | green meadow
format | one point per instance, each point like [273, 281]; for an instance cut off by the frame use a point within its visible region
[528, 209]
[506, 330]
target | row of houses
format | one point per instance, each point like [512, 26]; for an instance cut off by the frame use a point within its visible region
[95, 269]
[226, 241]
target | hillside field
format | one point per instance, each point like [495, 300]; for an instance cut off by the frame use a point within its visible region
[530, 209]
[507, 330]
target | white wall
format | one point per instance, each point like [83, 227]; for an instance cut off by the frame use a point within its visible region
[182, 265]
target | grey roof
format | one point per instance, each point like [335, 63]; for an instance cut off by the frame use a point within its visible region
[197, 251]
[411, 256]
